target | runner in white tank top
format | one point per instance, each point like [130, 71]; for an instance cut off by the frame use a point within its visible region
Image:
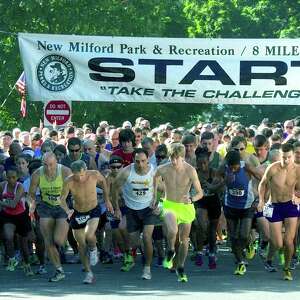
[136, 183]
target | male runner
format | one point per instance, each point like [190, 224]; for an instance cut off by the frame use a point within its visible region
[282, 178]
[238, 204]
[53, 220]
[136, 181]
[190, 144]
[178, 208]
[84, 218]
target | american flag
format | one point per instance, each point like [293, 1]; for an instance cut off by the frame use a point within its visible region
[21, 87]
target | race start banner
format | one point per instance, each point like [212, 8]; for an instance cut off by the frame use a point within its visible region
[167, 70]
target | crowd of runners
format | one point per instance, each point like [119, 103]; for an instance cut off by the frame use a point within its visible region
[173, 192]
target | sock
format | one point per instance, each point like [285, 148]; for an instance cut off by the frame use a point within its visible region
[147, 268]
[60, 269]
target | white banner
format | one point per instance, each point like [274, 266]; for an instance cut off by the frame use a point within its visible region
[168, 70]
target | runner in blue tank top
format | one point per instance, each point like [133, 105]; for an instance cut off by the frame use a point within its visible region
[238, 207]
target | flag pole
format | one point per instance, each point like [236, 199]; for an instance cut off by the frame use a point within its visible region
[7, 96]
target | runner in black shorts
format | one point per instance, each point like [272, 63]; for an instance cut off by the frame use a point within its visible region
[84, 218]
[209, 207]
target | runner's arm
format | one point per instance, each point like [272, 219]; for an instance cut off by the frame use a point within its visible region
[262, 189]
[157, 178]
[92, 164]
[66, 172]
[63, 197]
[102, 183]
[254, 171]
[116, 186]
[197, 186]
[12, 203]
[217, 182]
[296, 196]
[35, 178]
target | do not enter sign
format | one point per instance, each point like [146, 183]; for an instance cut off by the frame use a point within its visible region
[57, 110]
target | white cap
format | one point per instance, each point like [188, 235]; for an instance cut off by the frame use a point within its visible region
[126, 124]
[103, 124]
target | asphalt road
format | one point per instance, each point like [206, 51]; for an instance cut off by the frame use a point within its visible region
[113, 284]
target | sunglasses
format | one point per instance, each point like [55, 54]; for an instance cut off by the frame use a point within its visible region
[239, 149]
[289, 127]
[74, 150]
[160, 157]
[115, 167]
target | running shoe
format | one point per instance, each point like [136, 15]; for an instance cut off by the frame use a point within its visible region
[168, 261]
[128, 263]
[58, 276]
[93, 257]
[181, 276]
[146, 273]
[240, 269]
[269, 266]
[28, 270]
[250, 251]
[41, 270]
[199, 259]
[287, 275]
[89, 278]
[12, 264]
[212, 262]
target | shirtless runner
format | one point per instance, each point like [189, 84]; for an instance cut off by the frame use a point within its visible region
[84, 217]
[178, 208]
[282, 178]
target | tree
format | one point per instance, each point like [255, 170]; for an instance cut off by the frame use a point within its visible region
[244, 19]
[169, 18]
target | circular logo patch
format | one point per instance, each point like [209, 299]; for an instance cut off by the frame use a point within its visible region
[55, 73]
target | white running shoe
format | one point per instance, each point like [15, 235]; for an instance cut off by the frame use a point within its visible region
[146, 273]
[94, 257]
[89, 278]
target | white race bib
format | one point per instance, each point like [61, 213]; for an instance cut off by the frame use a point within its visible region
[236, 192]
[268, 211]
[82, 219]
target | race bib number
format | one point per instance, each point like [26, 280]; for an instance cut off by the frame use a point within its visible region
[53, 198]
[268, 211]
[140, 192]
[236, 192]
[82, 219]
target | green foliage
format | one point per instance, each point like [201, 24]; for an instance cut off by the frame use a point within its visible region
[156, 18]
[6, 120]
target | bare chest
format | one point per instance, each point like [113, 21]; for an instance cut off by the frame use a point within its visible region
[83, 190]
[283, 179]
[177, 179]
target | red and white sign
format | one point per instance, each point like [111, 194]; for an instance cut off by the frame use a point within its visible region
[57, 110]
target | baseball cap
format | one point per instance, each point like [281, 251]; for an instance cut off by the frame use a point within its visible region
[127, 124]
[114, 159]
